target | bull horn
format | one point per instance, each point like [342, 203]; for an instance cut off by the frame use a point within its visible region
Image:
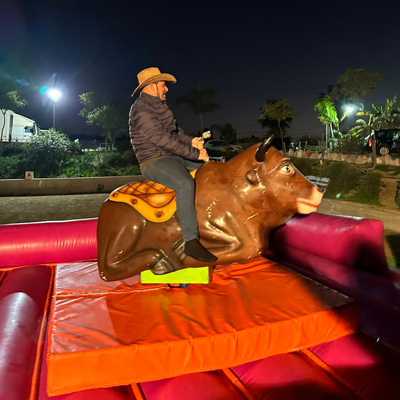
[264, 146]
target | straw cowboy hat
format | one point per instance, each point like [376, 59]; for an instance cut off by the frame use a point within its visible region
[152, 75]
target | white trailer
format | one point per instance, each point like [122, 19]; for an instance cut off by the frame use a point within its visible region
[15, 127]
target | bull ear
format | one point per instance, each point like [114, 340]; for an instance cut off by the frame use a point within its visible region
[264, 146]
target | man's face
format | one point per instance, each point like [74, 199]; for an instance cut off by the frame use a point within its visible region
[162, 90]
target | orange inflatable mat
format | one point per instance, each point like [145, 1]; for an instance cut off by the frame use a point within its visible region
[105, 334]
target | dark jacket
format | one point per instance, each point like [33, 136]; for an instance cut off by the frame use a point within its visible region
[154, 132]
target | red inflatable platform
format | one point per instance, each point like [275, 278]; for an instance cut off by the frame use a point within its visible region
[282, 329]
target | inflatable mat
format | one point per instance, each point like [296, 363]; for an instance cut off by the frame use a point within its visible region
[117, 333]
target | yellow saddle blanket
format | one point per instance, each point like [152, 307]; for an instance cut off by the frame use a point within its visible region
[154, 201]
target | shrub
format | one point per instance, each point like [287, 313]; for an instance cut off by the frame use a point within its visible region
[46, 151]
[303, 166]
[77, 167]
[12, 167]
[343, 177]
[351, 143]
[367, 192]
[130, 157]
[12, 149]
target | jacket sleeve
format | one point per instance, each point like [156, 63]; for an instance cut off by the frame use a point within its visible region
[183, 137]
[146, 121]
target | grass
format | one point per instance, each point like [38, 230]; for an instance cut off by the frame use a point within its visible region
[389, 168]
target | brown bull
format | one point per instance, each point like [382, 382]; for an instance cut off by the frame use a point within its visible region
[238, 204]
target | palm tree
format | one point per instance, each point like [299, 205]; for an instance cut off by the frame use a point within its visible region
[200, 101]
[327, 114]
[277, 114]
[227, 133]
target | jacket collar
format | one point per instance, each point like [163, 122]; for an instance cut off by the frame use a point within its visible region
[150, 99]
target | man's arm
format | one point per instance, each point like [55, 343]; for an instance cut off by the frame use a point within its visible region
[146, 121]
[183, 137]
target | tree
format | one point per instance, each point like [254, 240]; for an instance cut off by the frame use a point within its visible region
[272, 124]
[380, 117]
[200, 101]
[46, 151]
[355, 84]
[280, 112]
[227, 132]
[10, 100]
[110, 117]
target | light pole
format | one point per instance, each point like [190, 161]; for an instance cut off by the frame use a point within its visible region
[55, 95]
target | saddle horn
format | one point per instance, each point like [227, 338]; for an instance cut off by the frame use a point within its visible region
[264, 146]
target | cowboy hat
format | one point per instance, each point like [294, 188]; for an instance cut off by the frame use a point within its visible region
[152, 75]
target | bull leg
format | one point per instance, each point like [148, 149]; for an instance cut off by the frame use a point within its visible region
[119, 231]
[225, 241]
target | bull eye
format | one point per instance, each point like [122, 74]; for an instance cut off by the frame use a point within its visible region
[286, 169]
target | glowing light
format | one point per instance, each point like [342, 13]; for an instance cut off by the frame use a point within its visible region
[43, 89]
[54, 94]
[338, 195]
[350, 109]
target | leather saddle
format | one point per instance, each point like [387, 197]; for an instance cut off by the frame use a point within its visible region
[154, 201]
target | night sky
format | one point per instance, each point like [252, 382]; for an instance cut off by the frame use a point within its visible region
[249, 52]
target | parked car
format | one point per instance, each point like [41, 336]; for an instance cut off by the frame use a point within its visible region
[218, 145]
[387, 141]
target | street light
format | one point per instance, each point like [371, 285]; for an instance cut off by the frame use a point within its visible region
[55, 96]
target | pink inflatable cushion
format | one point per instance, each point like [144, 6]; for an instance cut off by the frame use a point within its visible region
[355, 243]
[340, 276]
[369, 368]
[199, 386]
[290, 376]
[47, 242]
[23, 296]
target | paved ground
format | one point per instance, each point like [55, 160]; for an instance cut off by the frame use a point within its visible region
[50, 208]
[58, 208]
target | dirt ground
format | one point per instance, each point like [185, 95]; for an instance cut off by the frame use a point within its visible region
[59, 208]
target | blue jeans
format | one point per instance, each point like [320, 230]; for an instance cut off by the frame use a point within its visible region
[173, 172]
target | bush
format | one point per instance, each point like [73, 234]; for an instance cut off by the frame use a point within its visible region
[123, 145]
[80, 166]
[303, 166]
[12, 149]
[97, 164]
[130, 157]
[46, 151]
[367, 192]
[343, 177]
[12, 167]
[351, 143]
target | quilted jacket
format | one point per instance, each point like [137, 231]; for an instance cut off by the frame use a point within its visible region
[154, 132]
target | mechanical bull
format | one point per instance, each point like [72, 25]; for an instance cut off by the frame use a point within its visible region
[238, 204]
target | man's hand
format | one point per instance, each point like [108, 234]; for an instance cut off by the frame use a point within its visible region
[198, 143]
[203, 155]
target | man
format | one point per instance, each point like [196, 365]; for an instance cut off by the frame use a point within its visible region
[166, 154]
